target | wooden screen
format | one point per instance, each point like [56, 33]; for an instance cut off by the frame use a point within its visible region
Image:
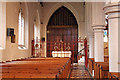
[62, 33]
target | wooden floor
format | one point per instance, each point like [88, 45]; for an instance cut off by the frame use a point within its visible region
[79, 71]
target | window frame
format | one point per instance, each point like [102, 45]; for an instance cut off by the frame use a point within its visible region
[21, 30]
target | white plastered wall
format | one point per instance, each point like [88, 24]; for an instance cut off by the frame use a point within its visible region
[31, 11]
[11, 50]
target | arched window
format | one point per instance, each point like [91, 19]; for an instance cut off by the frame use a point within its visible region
[35, 30]
[21, 31]
[2, 25]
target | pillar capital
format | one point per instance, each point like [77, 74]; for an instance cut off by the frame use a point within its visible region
[91, 35]
[98, 28]
[112, 10]
[101, 27]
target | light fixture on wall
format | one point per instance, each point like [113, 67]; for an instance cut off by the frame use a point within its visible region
[10, 32]
[20, 10]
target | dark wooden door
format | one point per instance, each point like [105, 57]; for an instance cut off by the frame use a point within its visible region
[66, 35]
[62, 32]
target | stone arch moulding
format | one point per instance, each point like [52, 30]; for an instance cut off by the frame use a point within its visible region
[52, 10]
[26, 25]
[57, 6]
[37, 18]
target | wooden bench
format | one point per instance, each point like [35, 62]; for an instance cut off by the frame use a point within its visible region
[37, 68]
[27, 75]
[4, 66]
[101, 70]
[106, 58]
[114, 75]
[91, 65]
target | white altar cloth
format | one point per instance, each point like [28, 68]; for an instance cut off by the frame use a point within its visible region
[61, 53]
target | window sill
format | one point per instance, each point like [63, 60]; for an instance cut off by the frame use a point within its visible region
[2, 48]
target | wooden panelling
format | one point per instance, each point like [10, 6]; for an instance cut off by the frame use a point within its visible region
[62, 33]
[65, 39]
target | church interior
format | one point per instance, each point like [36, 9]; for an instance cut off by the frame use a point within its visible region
[59, 40]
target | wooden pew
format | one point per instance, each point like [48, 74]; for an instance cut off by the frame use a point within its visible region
[104, 69]
[101, 70]
[106, 58]
[114, 75]
[66, 71]
[27, 75]
[41, 67]
[37, 68]
[91, 65]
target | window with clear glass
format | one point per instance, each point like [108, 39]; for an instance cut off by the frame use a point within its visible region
[21, 28]
[35, 30]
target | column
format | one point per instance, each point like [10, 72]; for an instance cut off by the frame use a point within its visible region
[98, 22]
[98, 43]
[113, 12]
[91, 46]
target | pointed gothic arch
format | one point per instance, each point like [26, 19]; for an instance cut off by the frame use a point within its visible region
[62, 26]
[62, 16]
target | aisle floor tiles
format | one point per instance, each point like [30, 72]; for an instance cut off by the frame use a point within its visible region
[79, 71]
